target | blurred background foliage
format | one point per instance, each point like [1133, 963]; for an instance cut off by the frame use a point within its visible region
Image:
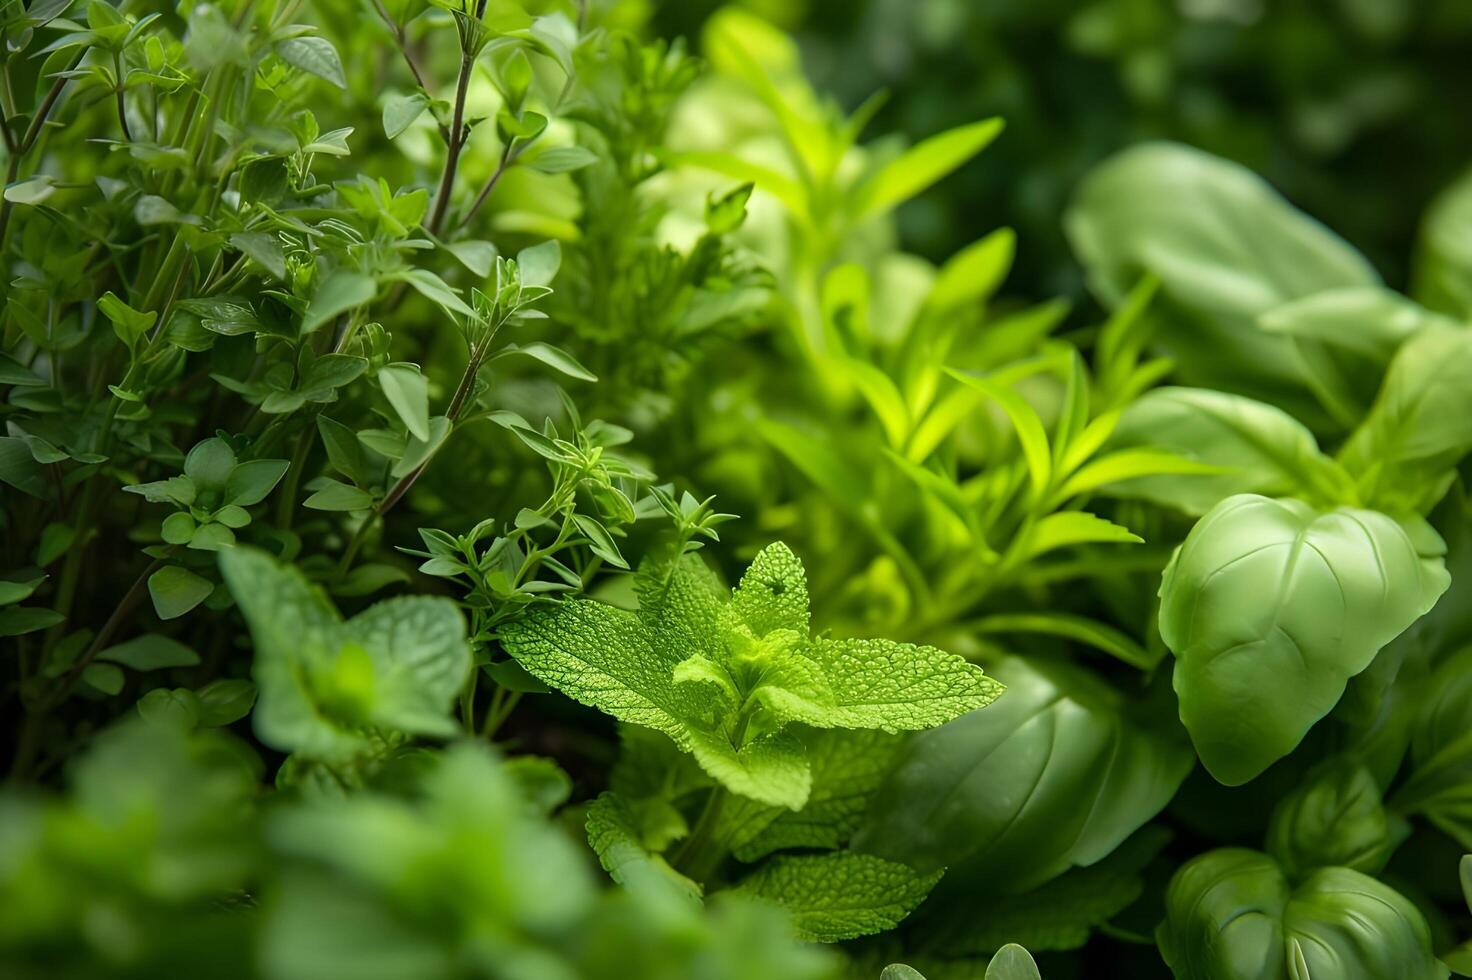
[1349, 107]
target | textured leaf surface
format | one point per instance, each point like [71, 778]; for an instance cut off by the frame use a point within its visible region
[896, 687]
[842, 895]
[613, 834]
[847, 768]
[728, 674]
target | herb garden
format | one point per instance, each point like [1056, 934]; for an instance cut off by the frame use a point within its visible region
[544, 489]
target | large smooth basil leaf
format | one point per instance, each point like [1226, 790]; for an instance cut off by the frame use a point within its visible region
[1056, 773]
[1227, 248]
[1420, 425]
[1271, 607]
[1232, 915]
[1261, 449]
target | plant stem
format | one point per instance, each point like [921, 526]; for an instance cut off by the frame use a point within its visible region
[28, 743]
[456, 142]
[508, 157]
[701, 854]
[286, 502]
[402, 39]
[125, 606]
[501, 708]
[457, 406]
[122, 103]
[33, 131]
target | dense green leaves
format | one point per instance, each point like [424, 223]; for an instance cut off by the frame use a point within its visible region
[269, 270]
[1418, 428]
[1257, 449]
[1439, 783]
[1333, 820]
[1235, 252]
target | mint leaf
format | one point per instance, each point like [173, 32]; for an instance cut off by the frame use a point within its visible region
[772, 769]
[327, 687]
[847, 768]
[614, 835]
[603, 657]
[899, 687]
[842, 895]
[727, 675]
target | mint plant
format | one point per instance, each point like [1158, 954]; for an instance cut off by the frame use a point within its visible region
[727, 681]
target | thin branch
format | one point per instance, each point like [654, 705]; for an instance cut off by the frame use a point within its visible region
[122, 103]
[508, 157]
[52, 94]
[401, 37]
[99, 642]
[33, 132]
[456, 143]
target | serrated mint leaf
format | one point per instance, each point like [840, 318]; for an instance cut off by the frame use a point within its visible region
[328, 686]
[421, 659]
[771, 769]
[614, 835]
[727, 675]
[899, 687]
[773, 593]
[847, 769]
[840, 896]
